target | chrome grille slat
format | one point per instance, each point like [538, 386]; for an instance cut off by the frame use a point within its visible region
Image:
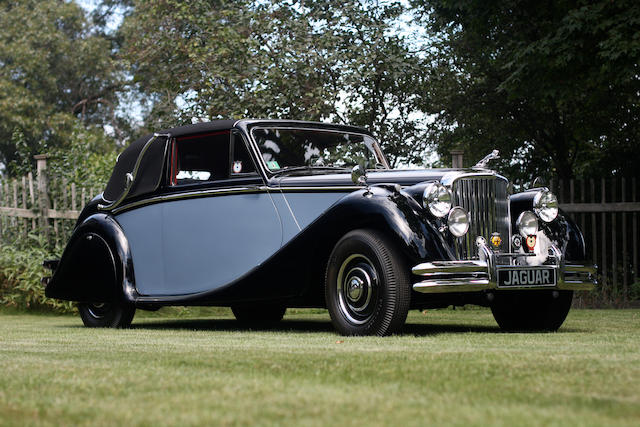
[485, 198]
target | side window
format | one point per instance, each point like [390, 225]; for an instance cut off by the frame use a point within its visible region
[241, 162]
[200, 158]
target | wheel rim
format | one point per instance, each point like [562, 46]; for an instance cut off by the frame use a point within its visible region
[357, 287]
[99, 310]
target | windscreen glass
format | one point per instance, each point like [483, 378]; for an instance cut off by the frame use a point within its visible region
[283, 149]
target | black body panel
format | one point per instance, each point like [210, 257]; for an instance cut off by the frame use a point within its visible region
[96, 265]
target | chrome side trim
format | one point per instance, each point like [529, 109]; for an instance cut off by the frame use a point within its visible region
[190, 195]
[323, 189]
[131, 176]
[224, 191]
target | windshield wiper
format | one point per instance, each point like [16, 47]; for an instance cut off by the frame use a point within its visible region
[288, 169]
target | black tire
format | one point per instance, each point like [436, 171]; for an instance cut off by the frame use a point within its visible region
[531, 310]
[258, 314]
[107, 315]
[367, 285]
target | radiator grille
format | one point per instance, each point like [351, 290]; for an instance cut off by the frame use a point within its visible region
[485, 198]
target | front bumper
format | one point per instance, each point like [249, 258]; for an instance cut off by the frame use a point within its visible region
[482, 274]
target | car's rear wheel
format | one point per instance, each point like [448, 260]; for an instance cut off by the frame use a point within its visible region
[258, 314]
[531, 310]
[367, 285]
[107, 315]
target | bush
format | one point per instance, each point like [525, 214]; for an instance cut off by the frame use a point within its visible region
[20, 273]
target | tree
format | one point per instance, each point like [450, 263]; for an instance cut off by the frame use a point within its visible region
[301, 60]
[55, 69]
[553, 85]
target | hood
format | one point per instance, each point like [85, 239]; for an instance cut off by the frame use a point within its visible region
[403, 177]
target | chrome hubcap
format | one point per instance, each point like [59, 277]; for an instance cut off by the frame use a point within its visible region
[98, 311]
[357, 287]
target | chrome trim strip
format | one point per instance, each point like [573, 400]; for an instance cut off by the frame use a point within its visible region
[134, 173]
[311, 189]
[453, 285]
[224, 191]
[192, 194]
[450, 267]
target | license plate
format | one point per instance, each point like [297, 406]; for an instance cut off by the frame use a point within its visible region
[526, 277]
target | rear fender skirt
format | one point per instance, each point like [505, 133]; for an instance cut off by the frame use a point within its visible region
[96, 265]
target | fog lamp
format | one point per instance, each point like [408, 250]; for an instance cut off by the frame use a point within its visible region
[527, 223]
[458, 221]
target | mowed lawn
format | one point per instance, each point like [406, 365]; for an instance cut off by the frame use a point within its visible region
[448, 367]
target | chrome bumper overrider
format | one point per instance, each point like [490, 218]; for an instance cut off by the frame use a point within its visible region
[480, 275]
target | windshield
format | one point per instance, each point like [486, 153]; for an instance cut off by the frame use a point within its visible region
[286, 149]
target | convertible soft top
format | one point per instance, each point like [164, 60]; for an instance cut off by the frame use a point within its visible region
[150, 168]
[148, 175]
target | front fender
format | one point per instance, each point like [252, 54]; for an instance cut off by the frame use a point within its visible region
[96, 265]
[393, 212]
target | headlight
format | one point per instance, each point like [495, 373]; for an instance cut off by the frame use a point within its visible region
[458, 221]
[545, 205]
[527, 223]
[437, 198]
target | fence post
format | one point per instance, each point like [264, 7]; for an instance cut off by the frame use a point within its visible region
[43, 194]
[456, 158]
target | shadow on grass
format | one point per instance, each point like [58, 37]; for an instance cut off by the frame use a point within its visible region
[301, 326]
[308, 326]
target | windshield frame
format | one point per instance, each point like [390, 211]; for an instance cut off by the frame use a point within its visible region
[377, 150]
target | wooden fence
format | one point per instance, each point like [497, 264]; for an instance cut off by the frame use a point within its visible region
[37, 204]
[606, 211]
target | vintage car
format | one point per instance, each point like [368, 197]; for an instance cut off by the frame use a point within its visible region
[261, 215]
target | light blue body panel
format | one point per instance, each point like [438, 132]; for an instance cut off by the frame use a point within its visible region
[290, 227]
[307, 207]
[194, 245]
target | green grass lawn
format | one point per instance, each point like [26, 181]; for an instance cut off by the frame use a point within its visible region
[452, 367]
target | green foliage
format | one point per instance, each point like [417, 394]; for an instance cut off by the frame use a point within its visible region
[86, 160]
[321, 60]
[554, 86]
[55, 69]
[20, 273]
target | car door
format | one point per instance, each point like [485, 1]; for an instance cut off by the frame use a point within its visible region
[215, 224]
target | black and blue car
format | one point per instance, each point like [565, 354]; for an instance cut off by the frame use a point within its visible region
[262, 215]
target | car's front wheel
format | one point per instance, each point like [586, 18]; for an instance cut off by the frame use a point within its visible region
[539, 310]
[115, 314]
[367, 285]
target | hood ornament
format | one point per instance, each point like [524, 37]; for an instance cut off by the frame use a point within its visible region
[482, 164]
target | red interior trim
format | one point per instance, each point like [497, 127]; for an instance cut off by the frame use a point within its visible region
[174, 163]
[202, 135]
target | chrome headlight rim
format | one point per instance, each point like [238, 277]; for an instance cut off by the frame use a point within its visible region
[458, 221]
[527, 223]
[545, 205]
[437, 199]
